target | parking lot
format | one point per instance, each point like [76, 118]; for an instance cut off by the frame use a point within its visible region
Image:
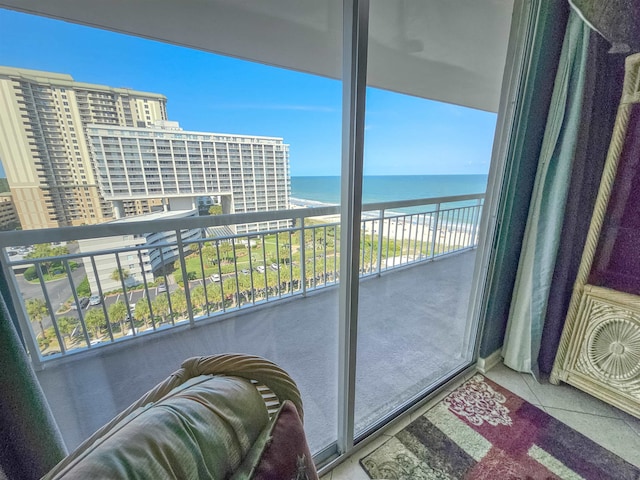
[60, 293]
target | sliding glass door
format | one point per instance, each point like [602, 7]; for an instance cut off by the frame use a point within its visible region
[316, 175]
[427, 151]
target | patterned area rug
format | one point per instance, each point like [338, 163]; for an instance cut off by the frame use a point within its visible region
[483, 431]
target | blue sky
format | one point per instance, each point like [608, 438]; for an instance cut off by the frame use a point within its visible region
[404, 135]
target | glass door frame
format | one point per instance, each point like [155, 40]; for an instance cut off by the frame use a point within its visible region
[355, 46]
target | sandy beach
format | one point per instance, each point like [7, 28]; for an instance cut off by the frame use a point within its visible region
[447, 237]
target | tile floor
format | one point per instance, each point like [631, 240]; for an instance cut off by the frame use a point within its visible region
[602, 423]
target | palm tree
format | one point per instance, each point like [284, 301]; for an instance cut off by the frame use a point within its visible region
[118, 275]
[117, 313]
[37, 310]
[244, 282]
[231, 289]
[272, 282]
[179, 303]
[215, 295]
[142, 312]
[94, 319]
[67, 325]
[209, 254]
[198, 298]
[285, 279]
[161, 306]
[226, 251]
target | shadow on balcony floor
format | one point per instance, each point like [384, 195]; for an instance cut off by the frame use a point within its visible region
[412, 325]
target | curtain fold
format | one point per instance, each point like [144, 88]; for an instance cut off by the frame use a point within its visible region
[523, 151]
[30, 442]
[603, 88]
[546, 212]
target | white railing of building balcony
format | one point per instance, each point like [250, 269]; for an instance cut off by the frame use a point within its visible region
[178, 278]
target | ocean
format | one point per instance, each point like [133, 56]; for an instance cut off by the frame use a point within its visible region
[388, 187]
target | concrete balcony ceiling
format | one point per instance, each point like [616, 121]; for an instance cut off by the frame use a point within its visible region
[447, 50]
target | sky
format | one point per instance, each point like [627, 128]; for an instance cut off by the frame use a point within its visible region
[206, 92]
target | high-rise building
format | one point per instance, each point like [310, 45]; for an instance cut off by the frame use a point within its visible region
[248, 173]
[43, 146]
[8, 216]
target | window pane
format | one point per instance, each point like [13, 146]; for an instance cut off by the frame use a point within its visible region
[170, 134]
[418, 249]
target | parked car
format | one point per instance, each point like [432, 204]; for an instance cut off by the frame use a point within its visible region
[95, 300]
[215, 277]
[162, 288]
[83, 301]
[274, 267]
[245, 271]
[260, 268]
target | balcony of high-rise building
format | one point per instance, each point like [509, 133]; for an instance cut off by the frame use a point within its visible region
[268, 287]
[375, 303]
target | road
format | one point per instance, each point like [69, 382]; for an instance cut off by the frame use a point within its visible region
[59, 292]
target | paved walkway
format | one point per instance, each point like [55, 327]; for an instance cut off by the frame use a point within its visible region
[411, 333]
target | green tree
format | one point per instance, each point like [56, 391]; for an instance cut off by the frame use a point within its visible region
[142, 312]
[209, 254]
[30, 274]
[94, 319]
[84, 290]
[198, 298]
[67, 325]
[179, 303]
[230, 289]
[215, 210]
[37, 310]
[45, 250]
[215, 295]
[226, 252]
[244, 282]
[117, 314]
[118, 275]
[285, 255]
[272, 280]
[160, 306]
[178, 277]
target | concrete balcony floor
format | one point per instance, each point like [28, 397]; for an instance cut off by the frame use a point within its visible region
[412, 327]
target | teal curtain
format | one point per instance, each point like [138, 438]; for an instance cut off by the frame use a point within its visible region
[549, 24]
[547, 208]
[30, 442]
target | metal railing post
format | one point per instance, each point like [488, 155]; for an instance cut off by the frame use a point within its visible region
[476, 222]
[166, 282]
[146, 289]
[52, 313]
[435, 229]
[204, 277]
[380, 240]
[303, 258]
[126, 300]
[104, 306]
[185, 277]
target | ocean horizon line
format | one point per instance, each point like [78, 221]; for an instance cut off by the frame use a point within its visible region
[401, 175]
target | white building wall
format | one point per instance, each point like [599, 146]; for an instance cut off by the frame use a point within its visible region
[106, 264]
[134, 163]
[150, 256]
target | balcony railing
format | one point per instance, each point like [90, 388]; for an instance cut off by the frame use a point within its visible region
[146, 276]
